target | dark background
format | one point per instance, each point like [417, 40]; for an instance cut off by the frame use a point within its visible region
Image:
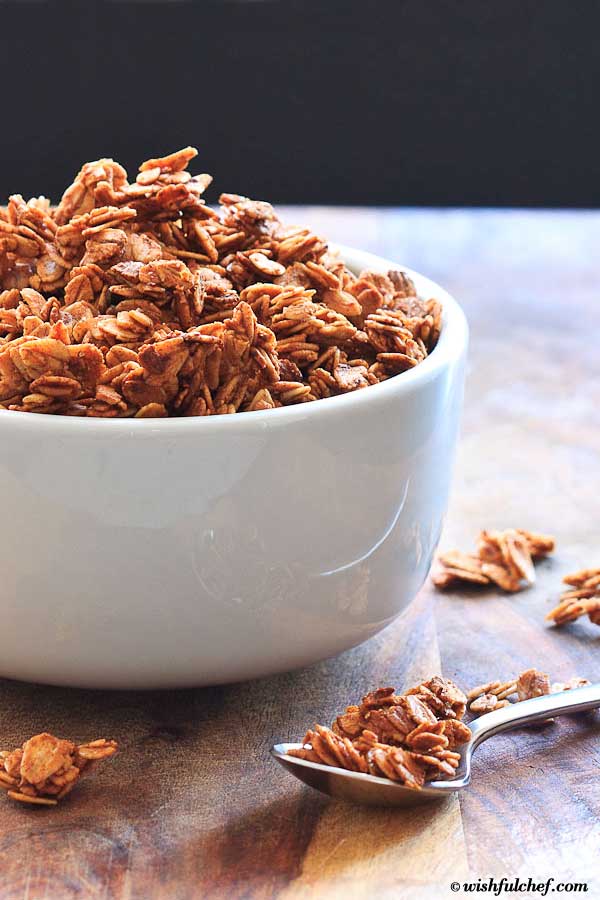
[381, 102]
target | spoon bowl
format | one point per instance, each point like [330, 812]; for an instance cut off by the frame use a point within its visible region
[370, 790]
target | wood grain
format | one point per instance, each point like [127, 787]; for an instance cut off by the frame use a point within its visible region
[193, 807]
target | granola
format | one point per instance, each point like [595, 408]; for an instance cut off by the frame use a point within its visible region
[137, 299]
[46, 768]
[413, 737]
[532, 683]
[583, 598]
[504, 558]
[409, 738]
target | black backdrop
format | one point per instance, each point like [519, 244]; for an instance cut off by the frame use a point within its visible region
[387, 101]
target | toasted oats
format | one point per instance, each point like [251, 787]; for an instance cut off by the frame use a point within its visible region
[488, 687]
[486, 703]
[568, 610]
[455, 567]
[504, 558]
[131, 267]
[447, 577]
[506, 690]
[47, 768]
[397, 764]
[408, 737]
[539, 544]
[27, 798]
[517, 555]
[583, 578]
[584, 599]
[532, 683]
[493, 695]
[571, 685]
[502, 576]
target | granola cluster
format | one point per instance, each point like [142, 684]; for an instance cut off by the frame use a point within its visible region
[138, 299]
[409, 738]
[532, 683]
[504, 558]
[583, 598]
[45, 769]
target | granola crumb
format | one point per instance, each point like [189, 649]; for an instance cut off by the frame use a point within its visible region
[571, 685]
[486, 703]
[493, 695]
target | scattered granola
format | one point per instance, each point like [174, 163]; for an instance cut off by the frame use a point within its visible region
[532, 683]
[494, 695]
[486, 703]
[409, 738]
[571, 685]
[45, 769]
[139, 300]
[582, 599]
[505, 558]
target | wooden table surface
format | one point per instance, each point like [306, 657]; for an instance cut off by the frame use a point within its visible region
[194, 807]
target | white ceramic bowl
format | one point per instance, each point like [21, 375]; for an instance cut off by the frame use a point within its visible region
[174, 552]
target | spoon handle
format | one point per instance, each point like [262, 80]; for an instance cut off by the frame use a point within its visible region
[535, 710]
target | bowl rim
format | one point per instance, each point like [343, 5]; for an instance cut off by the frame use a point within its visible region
[450, 347]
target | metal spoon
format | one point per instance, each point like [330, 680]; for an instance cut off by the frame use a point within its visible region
[373, 791]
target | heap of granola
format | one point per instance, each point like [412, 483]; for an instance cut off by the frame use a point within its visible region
[45, 769]
[583, 598]
[505, 558]
[410, 738]
[138, 299]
